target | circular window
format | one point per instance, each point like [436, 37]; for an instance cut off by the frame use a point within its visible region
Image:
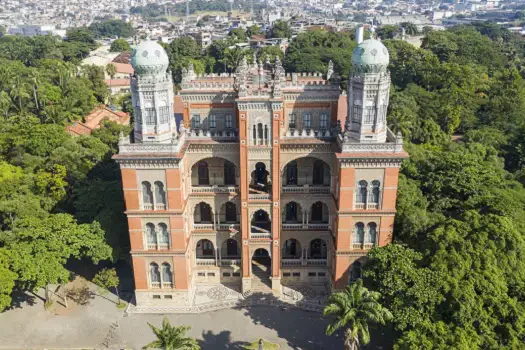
[144, 53]
[157, 53]
[373, 52]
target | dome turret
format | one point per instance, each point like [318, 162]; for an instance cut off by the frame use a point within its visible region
[149, 58]
[370, 56]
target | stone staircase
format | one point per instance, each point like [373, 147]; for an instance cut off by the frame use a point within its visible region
[261, 278]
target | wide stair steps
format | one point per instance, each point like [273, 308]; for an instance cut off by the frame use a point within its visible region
[261, 278]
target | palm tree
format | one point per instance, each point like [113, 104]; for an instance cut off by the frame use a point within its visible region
[111, 70]
[171, 338]
[354, 309]
[410, 28]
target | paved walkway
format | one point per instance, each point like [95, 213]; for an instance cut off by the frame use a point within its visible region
[100, 325]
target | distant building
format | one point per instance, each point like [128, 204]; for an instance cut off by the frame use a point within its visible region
[94, 120]
[203, 39]
[34, 30]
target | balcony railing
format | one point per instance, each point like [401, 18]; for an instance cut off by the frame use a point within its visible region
[230, 262]
[291, 262]
[219, 135]
[158, 246]
[320, 134]
[214, 189]
[147, 206]
[311, 226]
[167, 285]
[368, 206]
[228, 227]
[160, 206]
[201, 226]
[155, 284]
[257, 235]
[362, 246]
[316, 262]
[205, 262]
[259, 196]
[306, 189]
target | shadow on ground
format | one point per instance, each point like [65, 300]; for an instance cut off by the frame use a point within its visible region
[222, 340]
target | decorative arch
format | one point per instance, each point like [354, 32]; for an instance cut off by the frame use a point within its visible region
[225, 156]
[312, 155]
[203, 213]
[291, 249]
[205, 249]
[318, 249]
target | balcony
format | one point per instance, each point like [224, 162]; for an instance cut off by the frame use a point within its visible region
[167, 285]
[259, 196]
[323, 134]
[150, 206]
[261, 235]
[363, 246]
[229, 227]
[304, 262]
[230, 262]
[366, 206]
[306, 189]
[205, 262]
[155, 284]
[201, 226]
[229, 135]
[159, 246]
[214, 189]
[310, 226]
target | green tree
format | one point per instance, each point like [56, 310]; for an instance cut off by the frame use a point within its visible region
[253, 30]
[410, 28]
[233, 57]
[119, 45]
[238, 34]
[388, 31]
[280, 29]
[171, 338]
[354, 309]
[107, 278]
[112, 28]
[7, 279]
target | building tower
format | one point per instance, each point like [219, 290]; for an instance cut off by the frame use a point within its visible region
[368, 91]
[369, 163]
[152, 94]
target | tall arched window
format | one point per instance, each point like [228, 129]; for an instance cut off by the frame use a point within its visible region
[318, 178]
[371, 233]
[291, 212]
[203, 213]
[154, 275]
[319, 212]
[147, 195]
[254, 134]
[231, 212]
[204, 176]
[362, 191]
[359, 233]
[374, 198]
[229, 173]
[164, 237]
[232, 249]
[318, 249]
[151, 235]
[160, 194]
[260, 132]
[291, 173]
[167, 275]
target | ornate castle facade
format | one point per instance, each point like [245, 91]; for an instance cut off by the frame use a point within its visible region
[263, 184]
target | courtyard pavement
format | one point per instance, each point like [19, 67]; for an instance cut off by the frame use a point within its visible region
[99, 325]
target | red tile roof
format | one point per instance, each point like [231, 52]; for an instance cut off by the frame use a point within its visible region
[94, 119]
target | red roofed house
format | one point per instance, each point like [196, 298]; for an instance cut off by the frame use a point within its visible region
[94, 119]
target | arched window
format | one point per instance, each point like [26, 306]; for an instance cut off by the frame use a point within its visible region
[318, 178]
[231, 212]
[202, 213]
[261, 175]
[291, 212]
[319, 213]
[154, 274]
[261, 221]
[232, 249]
[292, 249]
[260, 131]
[355, 272]
[204, 176]
[147, 195]
[167, 275]
[307, 121]
[362, 191]
[205, 249]
[359, 233]
[323, 122]
[229, 173]
[164, 237]
[291, 173]
[151, 235]
[318, 249]
[375, 192]
[371, 233]
[160, 194]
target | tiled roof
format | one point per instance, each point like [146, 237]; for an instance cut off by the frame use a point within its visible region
[94, 119]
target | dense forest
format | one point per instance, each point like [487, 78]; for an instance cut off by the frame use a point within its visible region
[454, 276]
[60, 196]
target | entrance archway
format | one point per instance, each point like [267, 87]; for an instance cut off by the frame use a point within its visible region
[261, 269]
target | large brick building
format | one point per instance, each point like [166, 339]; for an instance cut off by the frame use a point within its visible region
[263, 184]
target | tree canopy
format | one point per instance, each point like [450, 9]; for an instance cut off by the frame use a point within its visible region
[119, 45]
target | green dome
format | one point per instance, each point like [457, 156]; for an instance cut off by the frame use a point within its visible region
[149, 58]
[370, 56]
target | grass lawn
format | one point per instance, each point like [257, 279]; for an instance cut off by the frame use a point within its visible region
[266, 345]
